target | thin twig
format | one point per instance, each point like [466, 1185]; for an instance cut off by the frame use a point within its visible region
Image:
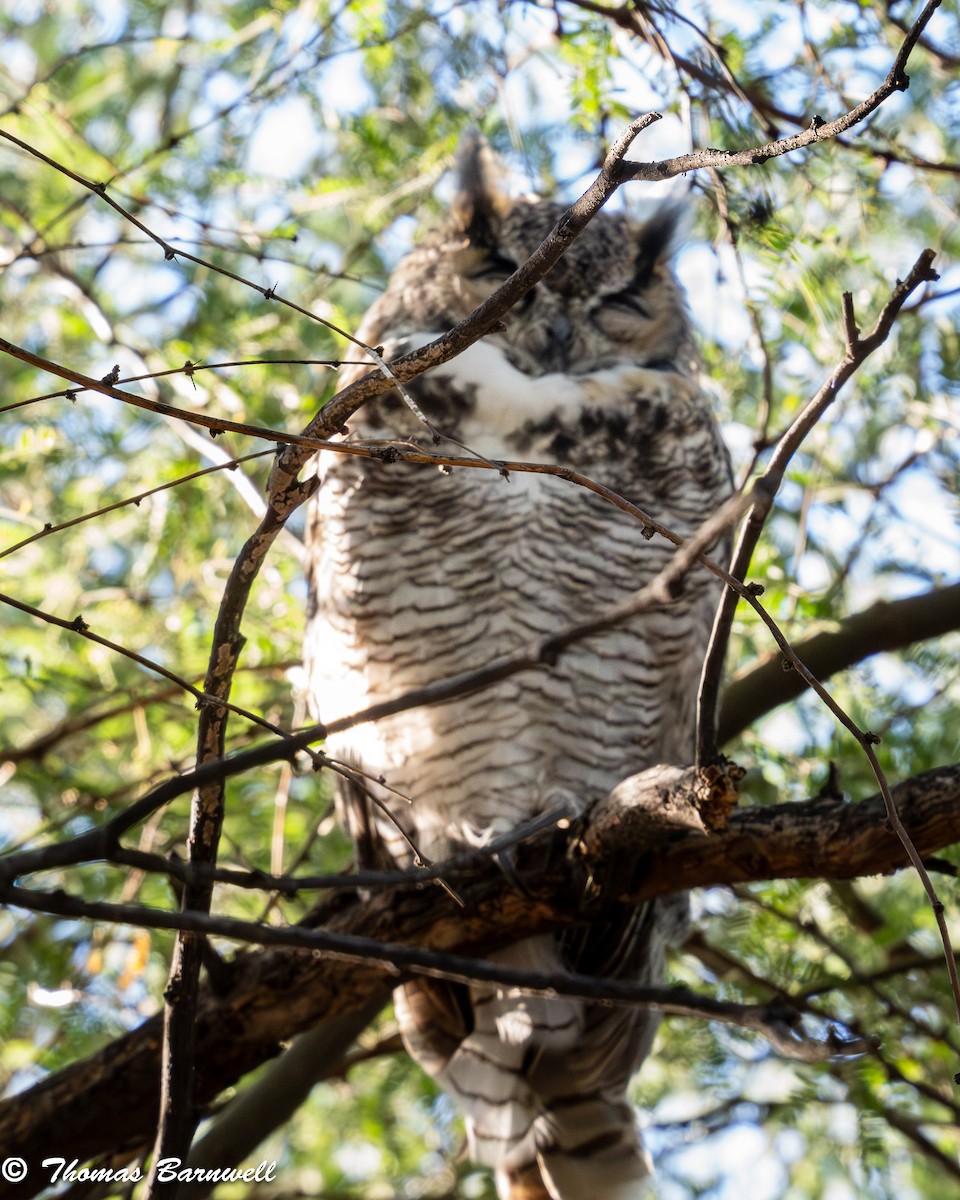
[893, 816]
[867, 741]
[80, 627]
[293, 885]
[886, 625]
[216, 425]
[775, 1021]
[170, 251]
[766, 487]
[49, 530]
[189, 369]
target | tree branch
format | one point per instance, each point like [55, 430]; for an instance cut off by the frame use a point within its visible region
[109, 1101]
[887, 625]
[766, 487]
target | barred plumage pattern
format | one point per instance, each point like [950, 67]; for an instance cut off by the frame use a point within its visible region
[416, 575]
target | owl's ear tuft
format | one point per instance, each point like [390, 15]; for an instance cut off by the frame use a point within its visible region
[659, 237]
[479, 204]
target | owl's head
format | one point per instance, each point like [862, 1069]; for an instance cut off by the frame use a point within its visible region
[612, 297]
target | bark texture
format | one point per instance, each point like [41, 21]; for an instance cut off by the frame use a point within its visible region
[106, 1104]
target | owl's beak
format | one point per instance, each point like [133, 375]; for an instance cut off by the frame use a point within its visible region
[559, 337]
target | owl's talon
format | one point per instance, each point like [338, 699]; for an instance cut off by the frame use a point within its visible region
[504, 861]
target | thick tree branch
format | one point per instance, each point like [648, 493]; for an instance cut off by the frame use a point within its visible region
[110, 1100]
[887, 625]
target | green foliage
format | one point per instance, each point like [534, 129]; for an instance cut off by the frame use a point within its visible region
[292, 146]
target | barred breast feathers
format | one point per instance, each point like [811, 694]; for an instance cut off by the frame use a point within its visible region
[417, 575]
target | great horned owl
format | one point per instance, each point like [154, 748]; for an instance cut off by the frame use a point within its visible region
[416, 574]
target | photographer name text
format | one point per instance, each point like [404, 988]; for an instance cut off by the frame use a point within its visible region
[168, 1170]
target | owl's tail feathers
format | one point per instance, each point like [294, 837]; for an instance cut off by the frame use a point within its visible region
[487, 1074]
[455, 1034]
[589, 1147]
[508, 1058]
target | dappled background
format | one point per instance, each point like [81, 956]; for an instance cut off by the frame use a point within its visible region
[288, 153]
